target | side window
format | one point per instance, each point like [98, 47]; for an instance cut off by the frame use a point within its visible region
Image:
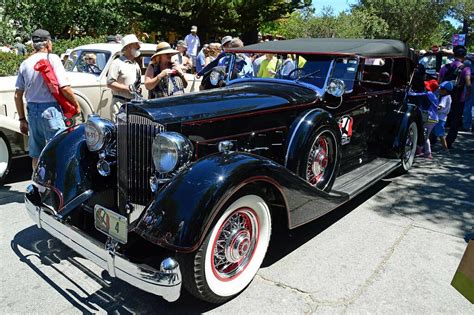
[377, 70]
[346, 70]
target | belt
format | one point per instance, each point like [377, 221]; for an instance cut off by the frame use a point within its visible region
[122, 98]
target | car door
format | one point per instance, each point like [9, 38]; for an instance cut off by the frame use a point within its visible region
[352, 113]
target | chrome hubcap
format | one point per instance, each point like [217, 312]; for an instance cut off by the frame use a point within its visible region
[318, 160]
[235, 243]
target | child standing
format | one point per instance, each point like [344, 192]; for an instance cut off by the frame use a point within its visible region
[443, 110]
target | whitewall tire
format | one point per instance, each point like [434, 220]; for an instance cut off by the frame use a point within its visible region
[233, 251]
[5, 157]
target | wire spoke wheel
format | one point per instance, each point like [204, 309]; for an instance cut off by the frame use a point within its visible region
[235, 243]
[408, 154]
[321, 160]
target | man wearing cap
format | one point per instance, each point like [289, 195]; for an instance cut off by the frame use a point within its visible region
[461, 78]
[225, 42]
[124, 77]
[45, 117]
[193, 43]
[181, 58]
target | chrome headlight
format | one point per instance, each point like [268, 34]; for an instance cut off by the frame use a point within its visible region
[99, 132]
[171, 150]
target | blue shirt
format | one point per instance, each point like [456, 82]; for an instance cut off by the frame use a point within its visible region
[200, 61]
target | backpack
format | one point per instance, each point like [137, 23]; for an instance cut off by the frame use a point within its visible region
[454, 76]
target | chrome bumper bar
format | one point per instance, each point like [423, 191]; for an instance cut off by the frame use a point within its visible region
[165, 282]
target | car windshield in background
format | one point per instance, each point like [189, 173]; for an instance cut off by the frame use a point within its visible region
[429, 62]
[87, 61]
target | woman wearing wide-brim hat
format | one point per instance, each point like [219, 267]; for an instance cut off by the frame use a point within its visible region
[163, 77]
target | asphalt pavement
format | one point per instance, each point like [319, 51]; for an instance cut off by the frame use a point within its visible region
[393, 249]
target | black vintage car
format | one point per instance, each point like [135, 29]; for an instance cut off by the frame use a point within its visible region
[187, 189]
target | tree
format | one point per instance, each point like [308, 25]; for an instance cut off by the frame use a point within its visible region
[412, 21]
[215, 17]
[68, 19]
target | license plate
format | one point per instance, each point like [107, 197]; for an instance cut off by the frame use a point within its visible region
[111, 223]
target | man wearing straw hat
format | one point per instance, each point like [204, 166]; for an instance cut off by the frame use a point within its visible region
[124, 77]
[163, 77]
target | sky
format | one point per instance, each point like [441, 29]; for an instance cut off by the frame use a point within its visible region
[342, 5]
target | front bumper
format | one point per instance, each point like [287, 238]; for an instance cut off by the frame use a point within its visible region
[165, 282]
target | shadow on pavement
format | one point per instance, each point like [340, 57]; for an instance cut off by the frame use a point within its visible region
[118, 296]
[443, 199]
[436, 201]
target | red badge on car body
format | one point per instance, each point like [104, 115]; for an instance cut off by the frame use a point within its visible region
[345, 125]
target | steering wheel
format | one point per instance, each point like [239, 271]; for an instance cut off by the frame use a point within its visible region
[293, 71]
[92, 68]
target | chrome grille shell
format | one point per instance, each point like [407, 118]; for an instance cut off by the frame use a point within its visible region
[135, 166]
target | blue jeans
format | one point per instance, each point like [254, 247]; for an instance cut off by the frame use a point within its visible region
[45, 120]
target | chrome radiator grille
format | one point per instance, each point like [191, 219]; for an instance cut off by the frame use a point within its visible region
[134, 161]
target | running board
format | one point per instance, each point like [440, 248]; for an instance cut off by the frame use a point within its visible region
[359, 179]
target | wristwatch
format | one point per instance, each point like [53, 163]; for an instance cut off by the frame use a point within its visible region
[22, 119]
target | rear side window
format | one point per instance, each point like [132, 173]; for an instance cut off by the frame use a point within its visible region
[346, 70]
[377, 70]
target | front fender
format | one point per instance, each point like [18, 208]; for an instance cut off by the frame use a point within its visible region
[67, 167]
[183, 211]
[301, 132]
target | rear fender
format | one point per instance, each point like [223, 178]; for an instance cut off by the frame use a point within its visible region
[301, 132]
[184, 210]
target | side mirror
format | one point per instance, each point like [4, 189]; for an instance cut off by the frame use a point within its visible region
[336, 87]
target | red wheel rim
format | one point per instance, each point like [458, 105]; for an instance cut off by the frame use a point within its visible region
[318, 160]
[234, 244]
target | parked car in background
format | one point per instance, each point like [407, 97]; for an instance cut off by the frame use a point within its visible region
[89, 82]
[187, 190]
[433, 62]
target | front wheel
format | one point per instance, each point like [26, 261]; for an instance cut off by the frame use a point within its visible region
[408, 151]
[232, 253]
[5, 157]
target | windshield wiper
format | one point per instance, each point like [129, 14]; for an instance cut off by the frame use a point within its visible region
[308, 75]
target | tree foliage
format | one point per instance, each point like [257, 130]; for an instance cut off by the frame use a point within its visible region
[215, 18]
[420, 23]
[68, 19]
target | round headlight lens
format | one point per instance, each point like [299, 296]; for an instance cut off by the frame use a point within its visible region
[165, 154]
[170, 150]
[94, 137]
[98, 131]
[215, 78]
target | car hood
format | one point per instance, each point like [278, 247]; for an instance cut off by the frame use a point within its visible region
[80, 79]
[231, 100]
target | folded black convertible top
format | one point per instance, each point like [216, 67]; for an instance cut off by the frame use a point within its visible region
[336, 46]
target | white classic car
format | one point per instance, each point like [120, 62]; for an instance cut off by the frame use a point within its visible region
[89, 85]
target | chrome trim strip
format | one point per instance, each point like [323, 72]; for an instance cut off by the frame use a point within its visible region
[165, 282]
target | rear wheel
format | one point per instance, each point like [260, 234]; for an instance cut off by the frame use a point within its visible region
[5, 157]
[408, 151]
[232, 253]
[319, 162]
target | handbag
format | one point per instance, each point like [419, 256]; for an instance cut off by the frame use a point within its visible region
[463, 280]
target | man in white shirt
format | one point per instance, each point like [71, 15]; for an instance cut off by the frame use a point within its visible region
[193, 43]
[45, 118]
[124, 76]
